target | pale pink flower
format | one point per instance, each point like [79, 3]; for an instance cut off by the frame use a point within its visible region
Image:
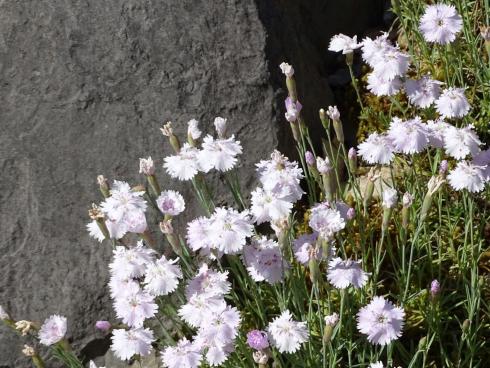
[376, 149]
[436, 132]
[461, 142]
[171, 203]
[467, 176]
[410, 136]
[373, 50]
[346, 44]
[423, 92]
[266, 206]
[162, 276]
[220, 154]
[380, 86]
[193, 130]
[126, 343]
[134, 308]
[342, 274]
[264, 260]
[208, 282]
[292, 110]
[287, 69]
[53, 330]
[122, 201]
[452, 103]
[381, 321]
[185, 164]
[440, 23]
[131, 262]
[326, 220]
[184, 355]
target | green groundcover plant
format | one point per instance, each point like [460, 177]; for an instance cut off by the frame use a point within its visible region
[374, 256]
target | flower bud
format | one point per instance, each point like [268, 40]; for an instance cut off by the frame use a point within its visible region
[103, 326]
[29, 351]
[435, 288]
[324, 120]
[330, 322]
[432, 187]
[423, 343]
[314, 269]
[443, 166]
[351, 213]
[167, 131]
[372, 176]
[333, 113]
[390, 197]
[220, 126]
[147, 167]
[257, 340]
[193, 132]
[466, 325]
[352, 157]
[103, 186]
[293, 108]
[309, 158]
[485, 33]
[407, 199]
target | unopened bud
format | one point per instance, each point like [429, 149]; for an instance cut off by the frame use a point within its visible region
[352, 156]
[324, 120]
[485, 33]
[435, 288]
[314, 269]
[147, 167]
[330, 322]
[309, 158]
[372, 176]
[433, 186]
[466, 325]
[423, 343]
[407, 199]
[351, 213]
[333, 113]
[103, 325]
[443, 166]
[220, 126]
[103, 186]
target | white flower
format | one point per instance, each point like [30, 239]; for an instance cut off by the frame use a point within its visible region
[198, 308]
[390, 196]
[171, 203]
[326, 220]
[461, 142]
[452, 103]
[184, 165]
[423, 92]
[305, 248]
[131, 262]
[126, 343]
[281, 177]
[53, 330]
[373, 50]
[266, 206]
[376, 149]
[346, 44]
[467, 176]
[184, 355]
[436, 132]
[376, 365]
[199, 233]
[122, 286]
[220, 154]
[208, 282]
[147, 167]
[381, 86]
[381, 321]
[134, 222]
[116, 230]
[440, 23]
[286, 334]
[230, 229]
[411, 136]
[483, 159]
[134, 308]
[220, 327]
[122, 201]
[287, 69]
[391, 63]
[342, 273]
[193, 130]
[162, 276]
[264, 260]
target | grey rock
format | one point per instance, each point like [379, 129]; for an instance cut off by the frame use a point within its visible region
[85, 85]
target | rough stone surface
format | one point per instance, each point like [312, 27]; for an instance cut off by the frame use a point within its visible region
[85, 85]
